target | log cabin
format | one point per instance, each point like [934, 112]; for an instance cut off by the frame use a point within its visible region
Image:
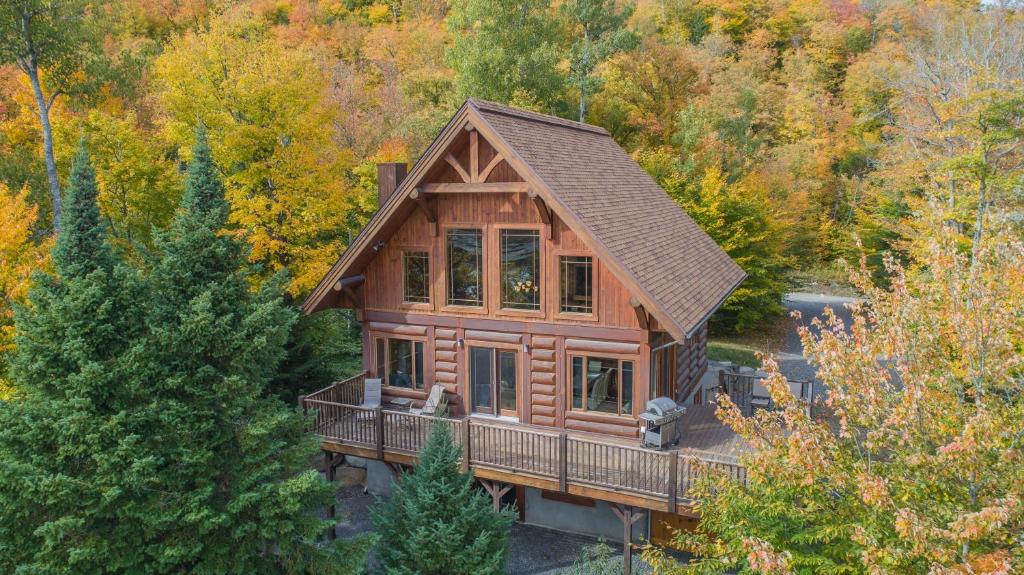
[530, 267]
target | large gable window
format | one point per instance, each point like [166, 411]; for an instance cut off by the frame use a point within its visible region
[465, 267]
[577, 284]
[520, 269]
[416, 277]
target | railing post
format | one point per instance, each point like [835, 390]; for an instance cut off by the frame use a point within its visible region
[563, 464]
[465, 444]
[380, 433]
[673, 480]
[302, 404]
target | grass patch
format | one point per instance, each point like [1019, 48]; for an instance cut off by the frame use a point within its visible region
[738, 354]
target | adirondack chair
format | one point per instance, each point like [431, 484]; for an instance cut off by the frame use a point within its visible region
[433, 401]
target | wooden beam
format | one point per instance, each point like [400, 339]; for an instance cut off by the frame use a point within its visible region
[476, 188]
[543, 211]
[628, 518]
[332, 533]
[496, 490]
[641, 314]
[474, 156]
[490, 167]
[454, 162]
[349, 282]
[427, 207]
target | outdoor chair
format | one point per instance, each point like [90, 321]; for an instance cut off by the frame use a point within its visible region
[433, 402]
[371, 397]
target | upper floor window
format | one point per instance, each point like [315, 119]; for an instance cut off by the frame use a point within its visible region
[416, 277]
[577, 284]
[400, 362]
[603, 385]
[465, 267]
[520, 269]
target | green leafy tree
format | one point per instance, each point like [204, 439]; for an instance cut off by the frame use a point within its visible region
[56, 39]
[436, 522]
[599, 27]
[507, 51]
[70, 471]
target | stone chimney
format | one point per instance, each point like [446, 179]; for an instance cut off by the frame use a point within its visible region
[389, 177]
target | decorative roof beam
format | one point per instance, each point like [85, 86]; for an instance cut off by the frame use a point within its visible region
[545, 213]
[478, 188]
[454, 163]
[641, 314]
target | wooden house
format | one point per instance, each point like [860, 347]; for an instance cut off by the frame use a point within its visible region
[530, 267]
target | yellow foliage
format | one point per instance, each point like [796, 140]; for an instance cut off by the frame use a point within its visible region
[271, 129]
[19, 257]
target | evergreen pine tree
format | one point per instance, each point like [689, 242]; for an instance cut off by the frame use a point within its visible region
[239, 494]
[69, 467]
[436, 523]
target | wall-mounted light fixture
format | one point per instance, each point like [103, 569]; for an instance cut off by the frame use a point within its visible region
[378, 246]
[526, 348]
[460, 342]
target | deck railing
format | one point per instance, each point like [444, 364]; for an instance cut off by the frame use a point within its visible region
[561, 458]
[741, 386]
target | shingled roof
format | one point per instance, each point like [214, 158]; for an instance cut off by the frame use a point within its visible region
[673, 267]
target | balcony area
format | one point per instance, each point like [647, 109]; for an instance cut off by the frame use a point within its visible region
[590, 465]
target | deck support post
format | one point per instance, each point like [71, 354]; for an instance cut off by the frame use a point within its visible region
[465, 445]
[563, 464]
[673, 480]
[302, 404]
[497, 490]
[628, 516]
[330, 471]
[379, 415]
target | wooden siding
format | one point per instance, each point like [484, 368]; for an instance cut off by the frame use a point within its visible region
[491, 212]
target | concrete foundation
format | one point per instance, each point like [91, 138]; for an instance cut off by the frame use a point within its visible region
[596, 521]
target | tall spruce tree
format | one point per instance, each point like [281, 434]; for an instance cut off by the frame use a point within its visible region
[436, 523]
[239, 495]
[69, 467]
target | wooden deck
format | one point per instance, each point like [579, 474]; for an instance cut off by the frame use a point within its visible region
[590, 465]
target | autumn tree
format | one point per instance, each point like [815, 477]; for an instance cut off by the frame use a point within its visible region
[915, 468]
[951, 84]
[20, 256]
[507, 52]
[599, 27]
[263, 101]
[49, 42]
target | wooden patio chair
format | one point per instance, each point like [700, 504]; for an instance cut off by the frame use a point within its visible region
[433, 402]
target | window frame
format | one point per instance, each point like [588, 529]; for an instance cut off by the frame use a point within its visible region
[419, 385]
[484, 269]
[620, 360]
[429, 303]
[556, 286]
[542, 271]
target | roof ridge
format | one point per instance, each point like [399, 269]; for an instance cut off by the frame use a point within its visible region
[494, 107]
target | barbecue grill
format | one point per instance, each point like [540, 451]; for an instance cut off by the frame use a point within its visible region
[660, 419]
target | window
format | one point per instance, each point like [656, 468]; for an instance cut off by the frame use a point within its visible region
[577, 284]
[520, 269]
[465, 262]
[416, 277]
[663, 367]
[400, 362]
[602, 385]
